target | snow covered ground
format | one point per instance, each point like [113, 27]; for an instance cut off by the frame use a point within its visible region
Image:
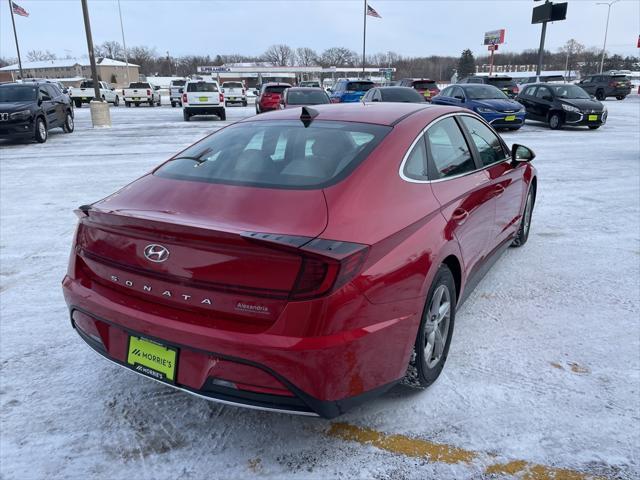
[542, 381]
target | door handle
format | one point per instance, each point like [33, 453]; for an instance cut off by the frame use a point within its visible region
[460, 215]
[499, 190]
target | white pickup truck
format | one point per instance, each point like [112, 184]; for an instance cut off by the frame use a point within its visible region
[202, 97]
[141, 92]
[85, 93]
[234, 92]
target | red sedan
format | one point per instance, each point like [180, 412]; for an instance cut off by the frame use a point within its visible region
[303, 260]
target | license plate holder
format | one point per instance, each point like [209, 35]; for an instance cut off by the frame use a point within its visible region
[152, 359]
[203, 99]
[510, 118]
[592, 118]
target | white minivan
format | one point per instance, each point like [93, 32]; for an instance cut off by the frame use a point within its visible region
[202, 97]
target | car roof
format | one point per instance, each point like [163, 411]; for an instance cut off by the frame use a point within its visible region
[307, 89]
[275, 84]
[382, 113]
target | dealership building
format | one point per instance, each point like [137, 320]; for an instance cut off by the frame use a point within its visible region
[72, 70]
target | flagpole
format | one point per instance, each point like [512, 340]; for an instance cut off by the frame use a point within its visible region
[124, 45]
[364, 36]
[15, 34]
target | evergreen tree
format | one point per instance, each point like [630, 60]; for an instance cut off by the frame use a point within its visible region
[466, 64]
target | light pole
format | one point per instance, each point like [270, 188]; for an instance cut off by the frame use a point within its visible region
[606, 30]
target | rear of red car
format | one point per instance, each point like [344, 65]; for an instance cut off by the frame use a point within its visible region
[212, 274]
[428, 88]
[270, 96]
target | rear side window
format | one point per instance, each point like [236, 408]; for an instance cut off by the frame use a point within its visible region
[448, 149]
[202, 87]
[359, 86]
[488, 145]
[277, 154]
[416, 165]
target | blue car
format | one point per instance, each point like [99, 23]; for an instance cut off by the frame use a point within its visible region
[349, 91]
[487, 101]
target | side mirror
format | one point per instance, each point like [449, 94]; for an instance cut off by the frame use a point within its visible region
[156, 87]
[113, 89]
[520, 153]
[329, 90]
[65, 90]
[222, 90]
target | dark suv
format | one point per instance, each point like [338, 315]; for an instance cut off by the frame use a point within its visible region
[31, 109]
[606, 85]
[507, 84]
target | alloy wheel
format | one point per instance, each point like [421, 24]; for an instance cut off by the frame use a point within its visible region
[437, 326]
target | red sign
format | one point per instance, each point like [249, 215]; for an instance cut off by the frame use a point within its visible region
[493, 48]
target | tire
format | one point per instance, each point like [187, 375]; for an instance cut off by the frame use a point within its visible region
[68, 125]
[555, 121]
[513, 129]
[104, 99]
[186, 116]
[226, 104]
[78, 103]
[116, 102]
[173, 104]
[430, 354]
[257, 110]
[127, 104]
[621, 97]
[600, 95]
[594, 127]
[244, 103]
[137, 104]
[525, 223]
[152, 103]
[159, 101]
[41, 131]
[222, 115]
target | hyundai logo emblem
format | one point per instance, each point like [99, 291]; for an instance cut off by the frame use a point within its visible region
[156, 253]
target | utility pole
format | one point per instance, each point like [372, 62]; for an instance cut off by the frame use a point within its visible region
[100, 116]
[606, 30]
[124, 46]
[15, 35]
[364, 37]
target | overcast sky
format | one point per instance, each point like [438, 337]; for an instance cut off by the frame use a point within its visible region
[409, 27]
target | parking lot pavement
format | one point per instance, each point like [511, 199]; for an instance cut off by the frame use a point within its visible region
[543, 375]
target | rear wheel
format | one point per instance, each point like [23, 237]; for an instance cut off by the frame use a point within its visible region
[186, 116]
[78, 103]
[127, 104]
[68, 125]
[152, 103]
[555, 121]
[116, 102]
[159, 101]
[600, 95]
[525, 223]
[173, 104]
[434, 334]
[244, 103]
[41, 133]
[137, 104]
[621, 97]
[222, 115]
[257, 110]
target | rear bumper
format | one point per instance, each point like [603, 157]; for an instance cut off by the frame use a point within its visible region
[322, 376]
[137, 99]
[204, 110]
[618, 92]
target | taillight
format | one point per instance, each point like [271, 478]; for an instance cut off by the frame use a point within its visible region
[326, 265]
[221, 98]
[184, 98]
[335, 99]
[148, 93]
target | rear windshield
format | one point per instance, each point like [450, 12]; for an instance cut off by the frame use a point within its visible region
[232, 85]
[619, 78]
[552, 78]
[306, 97]
[501, 82]
[139, 85]
[18, 93]
[202, 87]
[276, 89]
[359, 86]
[178, 83]
[310, 84]
[401, 94]
[424, 84]
[277, 154]
[86, 84]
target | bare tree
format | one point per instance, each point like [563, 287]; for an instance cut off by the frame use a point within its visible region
[306, 57]
[338, 57]
[573, 51]
[145, 57]
[39, 55]
[280, 55]
[4, 61]
[110, 49]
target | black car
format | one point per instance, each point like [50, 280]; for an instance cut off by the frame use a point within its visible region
[393, 94]
[606, 85]
[505, 83]
[30, 110]
[562, 104]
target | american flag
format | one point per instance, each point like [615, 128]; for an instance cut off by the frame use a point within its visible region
[371, 12]
[18, 10]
